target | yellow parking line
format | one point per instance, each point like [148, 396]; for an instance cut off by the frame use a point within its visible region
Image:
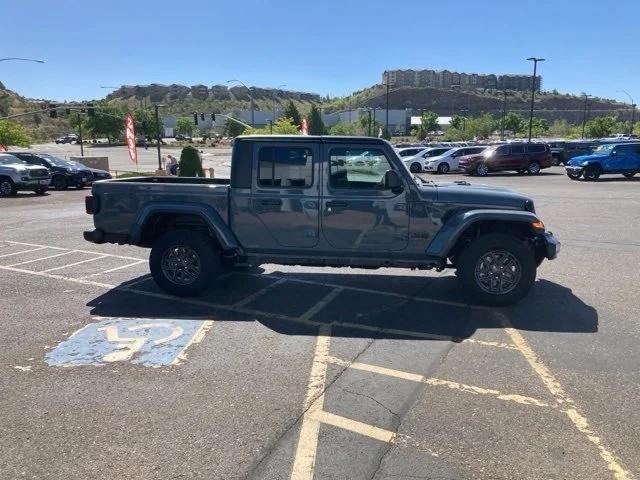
[197, 338]
[414, 377]
[577, 418]
[355, 426]
[306, 450]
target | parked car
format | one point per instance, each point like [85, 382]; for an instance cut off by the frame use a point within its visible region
[409, 152]
[520, 157]
[296, 201]
[562, 151]
[64, 173]
[613, 158]
[448, 161]
[181, 137]
[69, 138]
[416, 164]
[16, 175]
[100, 174]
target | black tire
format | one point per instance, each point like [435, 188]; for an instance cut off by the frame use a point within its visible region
[59, 182]
[415, 167]
[591, 173]
[199, 248]
[482, 170]
[533, 168]
[573, 175]
[629, 174]
[41, 190]
[7, 187]
[443, 168]
[472, 271]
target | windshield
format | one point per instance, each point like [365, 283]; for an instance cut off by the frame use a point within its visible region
[605, 148]
[59, 162]
[10, 160]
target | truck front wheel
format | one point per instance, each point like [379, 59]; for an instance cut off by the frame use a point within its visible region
[183, 262]
[497, 269]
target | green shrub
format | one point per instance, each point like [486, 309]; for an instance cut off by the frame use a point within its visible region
[190, 164]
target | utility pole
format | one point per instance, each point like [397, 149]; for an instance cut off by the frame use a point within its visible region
[504, 114]
[158, 135]
[584, 113]
[533, 90]
[369, 130]
[386, 123]
[80, 136]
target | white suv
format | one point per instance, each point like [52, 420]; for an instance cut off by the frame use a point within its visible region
[448, 162]
[16, 174]
[416, 163]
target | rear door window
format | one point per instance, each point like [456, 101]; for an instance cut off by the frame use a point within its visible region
[517, 149]
[285, 167]
[536, 148]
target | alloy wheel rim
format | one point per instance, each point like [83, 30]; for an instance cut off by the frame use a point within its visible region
[534, 168]
[482, 169]
[181, 265]
[498, 272]
[5, 188]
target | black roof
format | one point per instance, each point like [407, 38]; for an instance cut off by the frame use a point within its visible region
[315, 138]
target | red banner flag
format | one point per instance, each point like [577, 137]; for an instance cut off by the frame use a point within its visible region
[305, 127]
[130, 133]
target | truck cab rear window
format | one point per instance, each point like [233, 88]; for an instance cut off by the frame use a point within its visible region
[285, 167]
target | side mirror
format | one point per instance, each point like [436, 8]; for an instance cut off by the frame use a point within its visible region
[392, 181]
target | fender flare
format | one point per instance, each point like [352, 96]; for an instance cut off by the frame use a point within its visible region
[211, 217]
[455, 226]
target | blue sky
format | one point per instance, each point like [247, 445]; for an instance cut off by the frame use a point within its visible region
[327, 47]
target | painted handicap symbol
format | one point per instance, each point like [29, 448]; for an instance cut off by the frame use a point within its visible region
[147, 342]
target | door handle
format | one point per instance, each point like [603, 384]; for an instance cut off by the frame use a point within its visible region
[271, 202]
[334, 203]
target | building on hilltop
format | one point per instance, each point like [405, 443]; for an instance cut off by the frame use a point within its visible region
[464, 81]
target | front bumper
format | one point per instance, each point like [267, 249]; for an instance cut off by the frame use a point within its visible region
[81, 179]
[33, 183]
[430, 168]
[550, 244]
[575, 169]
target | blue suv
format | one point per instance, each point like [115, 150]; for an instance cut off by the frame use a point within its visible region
[621, 158]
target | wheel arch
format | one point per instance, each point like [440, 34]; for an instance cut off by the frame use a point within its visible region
[154, 219]
[464, 226]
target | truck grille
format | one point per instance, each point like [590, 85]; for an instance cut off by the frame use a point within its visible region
[38, 172]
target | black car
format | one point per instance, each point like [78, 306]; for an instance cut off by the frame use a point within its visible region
[70, 138]
[100, 174]
[64, 173]
[182, 137]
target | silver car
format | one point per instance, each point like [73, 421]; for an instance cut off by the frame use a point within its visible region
[17, 175]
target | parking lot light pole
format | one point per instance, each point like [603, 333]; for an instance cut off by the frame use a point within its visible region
[633, 109]
[533, 90]
[504, 114]
[253, 123]
[584, 113]
[158, 134]
[386, 123]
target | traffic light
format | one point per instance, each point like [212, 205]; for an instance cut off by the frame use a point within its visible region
[202, 117]
[90, 110]
[53, 113]
[195, 119]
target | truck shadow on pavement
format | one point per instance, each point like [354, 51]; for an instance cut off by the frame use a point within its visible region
[365, 306]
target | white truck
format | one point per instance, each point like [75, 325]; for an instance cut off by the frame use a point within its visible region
[16, 175]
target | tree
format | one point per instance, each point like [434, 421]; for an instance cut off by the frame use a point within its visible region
[284, 126]
[345, 129]
[12, 133]
[190, 164]
[457, 122]
[428, 123]
[144, 121]
[561, 128]
[292, 112]
[515, 123]
[601, 127]
[364, 125]
[233, 128]
[316, 125]
[105, 124]
[185, 125]
[539, 127]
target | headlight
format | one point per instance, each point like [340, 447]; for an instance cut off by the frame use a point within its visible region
[584, 164]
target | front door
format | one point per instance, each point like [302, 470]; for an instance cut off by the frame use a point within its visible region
[285, 195]
[358, 213]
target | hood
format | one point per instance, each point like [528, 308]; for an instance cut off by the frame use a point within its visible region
[21, 166]
[479, 196]
[582, 158]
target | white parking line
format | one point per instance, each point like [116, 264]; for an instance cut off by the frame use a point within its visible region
[128, 265]
[22, 251]
[73, 264]
[40, 259]
[250, 298]
[75, 250]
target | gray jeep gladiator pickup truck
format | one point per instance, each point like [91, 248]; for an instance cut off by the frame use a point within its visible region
[323, 201]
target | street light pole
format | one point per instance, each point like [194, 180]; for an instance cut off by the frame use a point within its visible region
[20, 59]
[386, 123]
[158, 135]
[504, 114]
[584, 113]
[533, 90]
[633, 109]
[253, 123]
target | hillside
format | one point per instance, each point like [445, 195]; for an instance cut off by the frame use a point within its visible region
[549, 105]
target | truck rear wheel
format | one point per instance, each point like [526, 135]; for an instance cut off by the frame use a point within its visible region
[497, 269]
[183, 262]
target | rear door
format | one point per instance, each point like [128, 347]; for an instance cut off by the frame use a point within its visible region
[285, 195]
[517, 157]
[358, 213]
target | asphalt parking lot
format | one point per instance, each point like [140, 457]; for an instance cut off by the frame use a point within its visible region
[289, 372]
